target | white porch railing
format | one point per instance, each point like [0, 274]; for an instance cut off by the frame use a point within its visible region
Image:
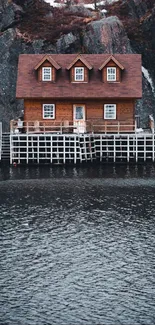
[65, 126]
[113, 127]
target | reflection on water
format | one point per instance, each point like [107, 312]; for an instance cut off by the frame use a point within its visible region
[77, 245]
[84, 171]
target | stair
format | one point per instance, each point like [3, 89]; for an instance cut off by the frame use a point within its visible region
[5, 152]
[87, 147]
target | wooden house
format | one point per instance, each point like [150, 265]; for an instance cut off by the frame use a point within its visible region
[71, 93]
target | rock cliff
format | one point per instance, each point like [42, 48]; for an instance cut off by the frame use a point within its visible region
[36, 27]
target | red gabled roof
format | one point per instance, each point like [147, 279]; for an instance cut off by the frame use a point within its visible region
[49, 59]
[111, 57]
[82, 59]
[29, 87]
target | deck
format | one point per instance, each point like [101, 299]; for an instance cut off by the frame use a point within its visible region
[38, 142]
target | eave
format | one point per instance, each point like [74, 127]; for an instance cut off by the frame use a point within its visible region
[49, 59]
[84, 61]
[114, 60]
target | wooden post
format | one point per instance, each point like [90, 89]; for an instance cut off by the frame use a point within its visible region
[80, 150]
[11, 126]
[45, 143]
[128, 148]
[151, 123]
[118, 127]
[90, 148]
[136, 148]
[92, 127]
[75, 149]
[38, 148]
[85, 146]
[27, 149]
[18, 149]
[100, 147]
[64, 149]
[32, 143]
[61, 127]
[135, 125]
[11, 149]
[114, 148]
[58, 152]
[105, 127]
[51, 150]
[153, 147]
[144, 147]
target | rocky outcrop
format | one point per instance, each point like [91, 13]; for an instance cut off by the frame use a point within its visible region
[80, 30]
[3, 4]
[69, 43]
[11, 14]
[106, 36]
[138, 20]
[137, 8]
[9, 49]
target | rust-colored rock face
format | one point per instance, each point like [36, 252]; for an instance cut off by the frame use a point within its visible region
[106, 35]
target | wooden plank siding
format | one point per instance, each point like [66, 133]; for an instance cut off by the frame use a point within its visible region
[94, 111]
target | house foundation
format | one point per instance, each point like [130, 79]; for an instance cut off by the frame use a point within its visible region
[79, 148]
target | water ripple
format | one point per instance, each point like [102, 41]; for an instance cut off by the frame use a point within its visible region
[77, 251]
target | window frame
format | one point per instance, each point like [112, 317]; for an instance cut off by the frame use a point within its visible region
[74, 113]
[49, 118]
[111, 74]
[43, 73]
[75, 74]
[105, 112]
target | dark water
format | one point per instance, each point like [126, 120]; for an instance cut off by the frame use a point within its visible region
[77, 245]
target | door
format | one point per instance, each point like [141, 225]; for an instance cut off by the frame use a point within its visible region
[79, 119]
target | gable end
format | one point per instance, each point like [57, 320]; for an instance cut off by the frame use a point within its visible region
[115, 62]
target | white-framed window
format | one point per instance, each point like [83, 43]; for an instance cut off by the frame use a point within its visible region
[47, 74]
[49, 111]
[111, 74]
[79, 74]
[110, 111]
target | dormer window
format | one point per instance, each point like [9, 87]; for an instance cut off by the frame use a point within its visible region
[111, 70]
[79, 74]
[47, 69]
[111, 74]
[79, 70]
[46, 73]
